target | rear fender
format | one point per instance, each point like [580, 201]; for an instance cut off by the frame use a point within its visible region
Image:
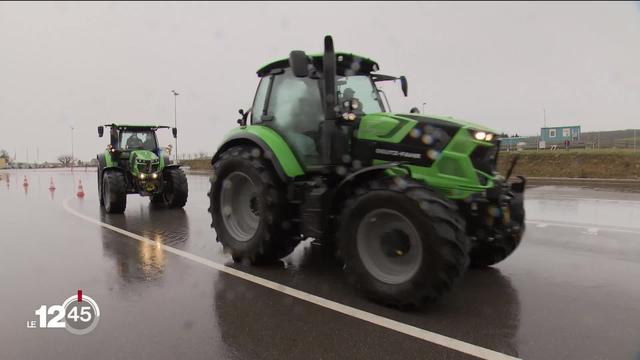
[275, 148]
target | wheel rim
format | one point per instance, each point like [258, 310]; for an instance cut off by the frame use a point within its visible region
[239, 206]
[389, 246]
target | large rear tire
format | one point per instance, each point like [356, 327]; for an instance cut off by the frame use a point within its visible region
[114, 192]
[402, 243]
[177, 189]
[487, 253]
[248, 207]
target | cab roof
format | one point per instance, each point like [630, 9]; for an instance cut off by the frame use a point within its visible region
[137, 127]
[344, 61]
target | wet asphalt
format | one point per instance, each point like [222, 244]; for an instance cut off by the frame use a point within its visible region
[571, 291]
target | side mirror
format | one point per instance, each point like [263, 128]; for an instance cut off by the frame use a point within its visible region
[299, 63]
[174, 131]
[244, 114]
[404, 85]
[100, 131]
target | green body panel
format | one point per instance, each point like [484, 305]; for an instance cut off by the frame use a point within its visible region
[161, 167]
[141, 155]
[463, 123]
[276, 144]
[107, 158]
[452, 171]
[384, 127]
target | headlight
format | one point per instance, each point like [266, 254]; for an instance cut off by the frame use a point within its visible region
[481, 135]
[154, 176]
[349, 116]
[142, 176]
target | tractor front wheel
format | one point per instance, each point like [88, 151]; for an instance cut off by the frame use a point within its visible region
[248, 207]
[177, 190]
[402, 243]
[114, 192]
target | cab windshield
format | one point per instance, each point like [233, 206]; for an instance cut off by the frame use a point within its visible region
[138, 140]
[361, 88]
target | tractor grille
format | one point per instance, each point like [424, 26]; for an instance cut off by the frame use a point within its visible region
[148, 167]
[484, 158]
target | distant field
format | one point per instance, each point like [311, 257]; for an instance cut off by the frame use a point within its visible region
[575, 163]
[583, 163]
[200, 164]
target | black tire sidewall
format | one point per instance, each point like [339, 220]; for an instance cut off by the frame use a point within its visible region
[114, 183]
[178, 186]
[428, 236]
[259, 239]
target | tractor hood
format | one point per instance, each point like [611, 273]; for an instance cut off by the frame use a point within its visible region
[144, 161]
[391, 127]
[446, 120]
[143, 155]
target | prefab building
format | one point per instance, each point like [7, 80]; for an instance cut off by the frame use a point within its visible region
[559, 134]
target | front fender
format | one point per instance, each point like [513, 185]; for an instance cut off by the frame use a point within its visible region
[275, 148]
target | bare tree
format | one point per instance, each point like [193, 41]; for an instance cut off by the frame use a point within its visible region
[202, 155]
[65, 160]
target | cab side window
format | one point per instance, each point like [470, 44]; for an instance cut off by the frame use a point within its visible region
[259, 101]
[295, 107]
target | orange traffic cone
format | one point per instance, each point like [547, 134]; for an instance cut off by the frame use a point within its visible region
[80, 193]
[25, 183]
[52, 186]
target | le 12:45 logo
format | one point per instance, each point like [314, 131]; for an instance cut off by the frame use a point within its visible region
[78, 314]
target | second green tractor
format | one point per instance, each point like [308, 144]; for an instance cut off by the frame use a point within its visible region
[408, 201]
[134, 163]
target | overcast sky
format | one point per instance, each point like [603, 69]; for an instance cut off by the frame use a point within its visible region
[499, 64]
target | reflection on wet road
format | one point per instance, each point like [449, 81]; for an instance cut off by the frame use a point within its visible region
[569, 292]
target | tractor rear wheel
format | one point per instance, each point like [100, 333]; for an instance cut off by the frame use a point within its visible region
[402, 243]
[486, 253]
[100, 195]
[177, 190]
[248, 207]
[114, 192]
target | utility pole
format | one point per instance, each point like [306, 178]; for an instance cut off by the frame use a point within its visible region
[544, 116]
[423, 104]
[72, 158]
[175, 118]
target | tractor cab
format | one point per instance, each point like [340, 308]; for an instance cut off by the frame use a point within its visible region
[126, 138]
[316, 107]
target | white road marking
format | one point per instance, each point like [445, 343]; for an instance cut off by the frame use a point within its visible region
[545, 223]
[566, 197]
[435, 338]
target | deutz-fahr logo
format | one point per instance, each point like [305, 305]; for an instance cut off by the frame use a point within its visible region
[404, 154]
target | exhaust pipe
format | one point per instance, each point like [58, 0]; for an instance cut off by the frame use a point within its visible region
[329, 75]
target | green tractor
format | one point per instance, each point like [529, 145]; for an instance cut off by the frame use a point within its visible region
[134, 163]
[408, 201]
